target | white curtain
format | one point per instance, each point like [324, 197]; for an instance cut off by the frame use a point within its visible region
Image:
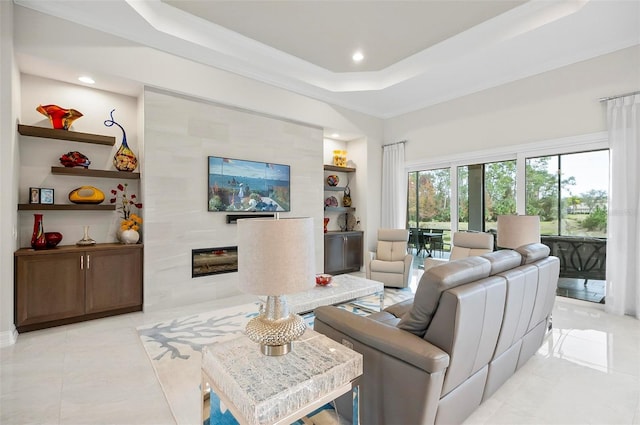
[623, 239]
[394, 187]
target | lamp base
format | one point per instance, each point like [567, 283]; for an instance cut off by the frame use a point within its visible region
[275, 328]
[275, 350]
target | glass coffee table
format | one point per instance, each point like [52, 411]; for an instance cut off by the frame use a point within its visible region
[343, 288]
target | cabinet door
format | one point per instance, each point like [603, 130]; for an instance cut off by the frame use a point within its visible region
[353, 253]
[114, 279]
[48, 287]
[333, 253]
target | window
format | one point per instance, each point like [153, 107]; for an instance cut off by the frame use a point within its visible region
[569, 192]
[484, 192]
[429, 199]
[499, 191]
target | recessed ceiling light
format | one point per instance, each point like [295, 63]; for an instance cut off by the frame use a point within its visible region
[86, 79]
[357, 56]
[335, 135]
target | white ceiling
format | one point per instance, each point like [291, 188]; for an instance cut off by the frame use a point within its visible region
[418, 53]
[327, 33]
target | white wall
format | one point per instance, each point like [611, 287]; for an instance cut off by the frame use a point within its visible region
[179, 135]
[9, 109]
[556, 104]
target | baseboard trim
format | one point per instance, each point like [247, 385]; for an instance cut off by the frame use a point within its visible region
[9, 337]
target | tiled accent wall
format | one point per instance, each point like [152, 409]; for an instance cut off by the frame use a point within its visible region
[179, 134]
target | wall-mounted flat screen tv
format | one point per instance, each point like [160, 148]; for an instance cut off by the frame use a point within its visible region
[240, 185]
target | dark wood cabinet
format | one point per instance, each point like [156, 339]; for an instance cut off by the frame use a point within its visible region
[71, 284]
[342, 252]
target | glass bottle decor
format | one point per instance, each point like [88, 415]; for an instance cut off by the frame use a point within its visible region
[124, 159]
[86, 240]
[346, 198]
[38, 239]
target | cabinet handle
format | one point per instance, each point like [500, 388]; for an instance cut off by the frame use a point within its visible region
[88, 261]
[82, 262]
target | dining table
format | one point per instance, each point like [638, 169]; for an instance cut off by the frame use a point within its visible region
[422, 240]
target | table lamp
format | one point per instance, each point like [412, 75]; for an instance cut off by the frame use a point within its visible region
[275, 257]
[517, 230]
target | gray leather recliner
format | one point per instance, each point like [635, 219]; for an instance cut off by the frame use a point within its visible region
[436, 358]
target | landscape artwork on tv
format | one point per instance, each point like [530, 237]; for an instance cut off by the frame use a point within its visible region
[240, 185]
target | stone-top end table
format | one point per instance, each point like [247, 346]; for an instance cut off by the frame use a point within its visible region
[259, 389]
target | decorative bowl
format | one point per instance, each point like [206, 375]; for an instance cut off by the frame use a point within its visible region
[52, 238]
[333, 180]
[331, 201]
[323, 279]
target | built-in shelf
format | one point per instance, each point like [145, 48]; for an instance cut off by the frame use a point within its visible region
[335, 188]
[66, 207]
[339, 209]
[74, 136]
[86, 172]
[328, 167]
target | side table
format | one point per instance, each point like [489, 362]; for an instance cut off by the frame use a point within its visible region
[260, 390]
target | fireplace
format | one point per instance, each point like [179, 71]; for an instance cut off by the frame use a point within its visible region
[208, 261]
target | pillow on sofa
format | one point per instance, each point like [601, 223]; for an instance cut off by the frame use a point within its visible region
[433, 283]
[533, 252]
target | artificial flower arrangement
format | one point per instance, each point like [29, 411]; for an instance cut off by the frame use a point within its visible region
[130, 220]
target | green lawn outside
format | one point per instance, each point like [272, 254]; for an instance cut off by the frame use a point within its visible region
[572, 227]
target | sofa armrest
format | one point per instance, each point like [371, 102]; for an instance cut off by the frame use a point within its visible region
[370, 257]
[387, 339]
[408, 262]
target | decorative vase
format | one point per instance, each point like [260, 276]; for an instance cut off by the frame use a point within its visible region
[38, 239]
[326, 221]
[86, 240]
[60, 118]
[346, 198]
[129, 236]
[124, 159]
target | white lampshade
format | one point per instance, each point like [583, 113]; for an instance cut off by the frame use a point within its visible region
[517, 230]
[276, 256]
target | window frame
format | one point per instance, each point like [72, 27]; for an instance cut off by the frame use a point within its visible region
[520, 152]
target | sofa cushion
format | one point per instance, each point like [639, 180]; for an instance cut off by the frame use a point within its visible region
[387, 266]
[503, 260]
[533, 252]
[433, 283]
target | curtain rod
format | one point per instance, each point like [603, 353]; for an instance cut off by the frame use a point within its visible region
[604, 99]
[396, 143]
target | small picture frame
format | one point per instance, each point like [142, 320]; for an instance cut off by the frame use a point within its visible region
[46, 196]
[34, 195]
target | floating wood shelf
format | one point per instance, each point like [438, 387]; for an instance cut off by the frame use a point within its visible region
[74, 136]
[66, 207]
[339, 209]
[86, 172]
[339, 169]
[335, 188]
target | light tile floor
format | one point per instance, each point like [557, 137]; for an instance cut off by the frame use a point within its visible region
[97, 372]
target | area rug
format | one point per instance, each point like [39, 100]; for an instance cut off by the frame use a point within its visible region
[174, 346]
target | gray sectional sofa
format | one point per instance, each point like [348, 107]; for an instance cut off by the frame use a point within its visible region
[434, 359]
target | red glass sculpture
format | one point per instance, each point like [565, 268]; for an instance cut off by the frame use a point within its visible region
[74, 159]
[38, 239]
[60, 118]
